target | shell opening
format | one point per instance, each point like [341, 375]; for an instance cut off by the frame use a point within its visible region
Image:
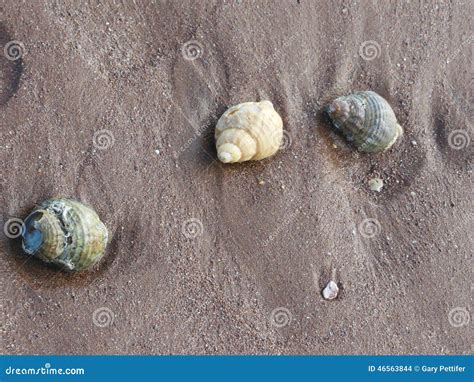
[32, 235]
[398, 134]
[229, 153]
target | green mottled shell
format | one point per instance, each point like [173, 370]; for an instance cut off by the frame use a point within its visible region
[366, 120]
[73, 236]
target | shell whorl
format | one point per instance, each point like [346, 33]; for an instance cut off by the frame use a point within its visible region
[236, 145]
[229, 153]
[366, 120]
[66, 233]
[248, 131]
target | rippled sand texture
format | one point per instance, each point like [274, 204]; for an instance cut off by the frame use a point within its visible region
[209, 258]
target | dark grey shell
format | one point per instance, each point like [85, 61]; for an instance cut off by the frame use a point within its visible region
[366, 120]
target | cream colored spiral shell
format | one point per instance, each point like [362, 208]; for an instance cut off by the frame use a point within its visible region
[248, 131]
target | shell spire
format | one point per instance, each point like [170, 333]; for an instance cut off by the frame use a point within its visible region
[248, 131]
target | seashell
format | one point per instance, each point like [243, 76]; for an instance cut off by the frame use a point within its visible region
[375, 184]
[248, 131]
[331, 291]
[365, 119]
[66, 233]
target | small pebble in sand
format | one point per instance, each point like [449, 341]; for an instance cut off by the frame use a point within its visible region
[157, 152]
[261, 182]
[376, 184]
[414, 143]
[330, 291]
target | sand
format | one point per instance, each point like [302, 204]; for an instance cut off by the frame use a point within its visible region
[246, 275]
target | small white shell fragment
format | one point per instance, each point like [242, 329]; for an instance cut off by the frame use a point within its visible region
[376, 184]
[330, 291]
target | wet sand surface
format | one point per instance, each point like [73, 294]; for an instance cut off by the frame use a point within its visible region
[115, 105]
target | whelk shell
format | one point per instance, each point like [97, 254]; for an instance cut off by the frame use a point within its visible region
[66, 233]
[248, 131]
[365, 119]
